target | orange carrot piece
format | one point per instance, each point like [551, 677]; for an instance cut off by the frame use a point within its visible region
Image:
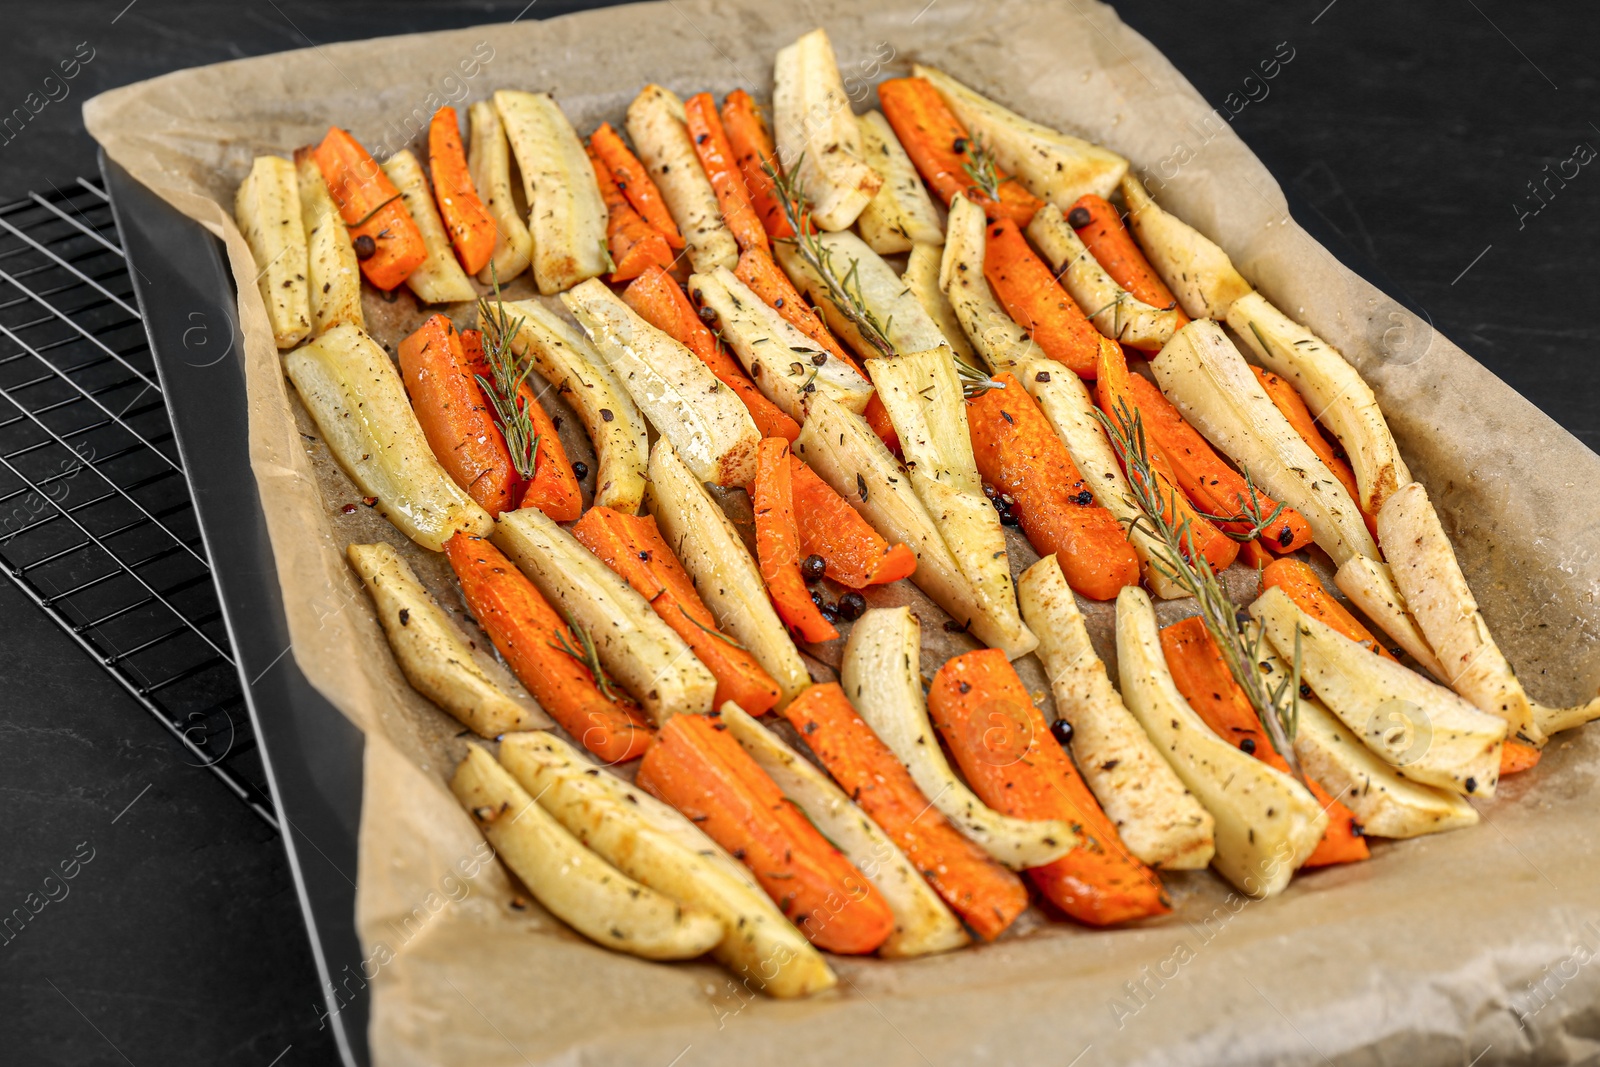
[1300, 582]
[1114, 248]
[1037, 302]
[471, 228]
[635, 245]
[778, 543]
[986, 896]
[1009, 757]
[1287, 399]
[717, 158]
[1516, 756]
[530, 635]
[634, 181]
[751, 144]
[661, 302]
[553, 489]
[371, 207]
[1255, 557]
[856, 554]
[1113, 393]
[1019, 453]
[1205, 477]
[633, 547]
[454, 415]
[698, 769]
[943, 152]
[1202, 676]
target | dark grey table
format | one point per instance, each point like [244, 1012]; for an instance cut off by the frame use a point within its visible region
[1411, 137]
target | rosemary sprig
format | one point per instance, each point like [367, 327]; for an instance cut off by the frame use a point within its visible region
[1240, 642]
[843, 289]
[981, 168]
[1250, 511]
[504, 386]
[589, 656]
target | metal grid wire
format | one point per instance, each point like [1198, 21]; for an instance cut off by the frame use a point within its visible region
[97, 526]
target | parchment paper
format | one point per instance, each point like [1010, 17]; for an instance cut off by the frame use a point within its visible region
[1425, 954]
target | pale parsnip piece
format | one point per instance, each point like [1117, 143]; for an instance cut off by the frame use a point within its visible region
[881, 675]
[817, 138]
[439, 279]
[1428, 575]
[841, 448]
[1384, 801]
[577, 886]
[1051, 165]
[781, 360]
[707, 423]
[489, 163]
[923, 397]
[566, 216]
[727, 579]
[1066, 404]
[1427, 732]
[1115, 312]
[1003, 344]
[435, 657]
[654, 844]
[355, 396]
[563, 357]
[333, 279]
[1199, 273]
[1335, 392]
[267, 209]
[922, 278]
[908, 327]
[1212, 386]
[1554, 720]
[1370, 586]
[1157, 818]
[902, 214]
[922, 923]
[660, 133]
[636, 648]
[1267, 824]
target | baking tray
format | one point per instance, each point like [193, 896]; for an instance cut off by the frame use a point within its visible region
[312, 754]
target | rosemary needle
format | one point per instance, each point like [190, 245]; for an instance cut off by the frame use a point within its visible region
[503, 387]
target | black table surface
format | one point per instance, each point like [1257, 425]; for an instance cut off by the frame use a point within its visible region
[1409, 135]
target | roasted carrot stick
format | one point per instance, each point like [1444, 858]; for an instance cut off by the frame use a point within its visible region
[778, 543]
[554, 487]
[454, 415]
[986, 895]
[1300, 582]
[698, 769]
[982, 710]
[535, 642]
[471, 228]
[1202, 676]
[946, 157]
[372, 208]
[1287, 399]
[635, 245]
[1113, 247]
[1205, 477]
[716, 156]
[633, 547]
[1516, 756]
[661, 302]
[634, 181]
[1113, 393]
[752, 148]
[856, 554]
[1032, 296]
[1019, 453]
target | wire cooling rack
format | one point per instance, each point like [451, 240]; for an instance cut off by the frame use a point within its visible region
[97, 526]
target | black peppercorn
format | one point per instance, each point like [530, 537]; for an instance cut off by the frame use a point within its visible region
[580, 470]
[1078, 218]
[851, 606]
[960, 144]
[366, 247]
[1248, 746]
[812, 568]
[1008, 517]
[708, 316]
[1061, 730]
